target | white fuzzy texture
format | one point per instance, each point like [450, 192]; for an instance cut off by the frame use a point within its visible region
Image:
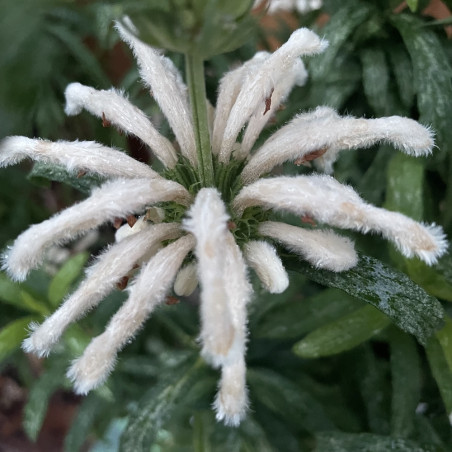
[231, 401]
[115, 108]
[149, 289]
[101, 278]
[325, 129]
[207, 221]
[254, 93]
[186, 280]
[295, 75]
[264, 260]
[230, 85]
[321, 248]
[168, 90]
[113, 199]
[225, 292]
[302, 6]
[75, 156]
[328, 201]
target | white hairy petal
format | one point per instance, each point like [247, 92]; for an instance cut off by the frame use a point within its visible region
[231, 401]
[302, 6]
[186, 280]
[148, 290]
[264, 260]
[101, 278]
[86, 156]
[115, 108]
[238, 288]
[207, 221]
[330, 202]
[230, 85]
[168, 89]
[295, 75]
[301, 42]
[323, 129]
[321, 248]
[113, 199]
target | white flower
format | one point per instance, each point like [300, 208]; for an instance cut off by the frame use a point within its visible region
[216, 233]
[302, 6]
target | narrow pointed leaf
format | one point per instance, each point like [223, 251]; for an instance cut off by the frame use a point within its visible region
[297, 316]
[38, 400]
[342, 334]
[444, 336]
[15, 295]
[42, 173]
[390, 291]
[12, 335]
[376, 79]
[157, 405]
[91, 407]
[406, 383]
[66, 276]
[441, 371]
[431, 74]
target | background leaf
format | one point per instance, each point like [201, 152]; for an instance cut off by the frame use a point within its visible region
[66, 276]
[12, 335]
[342, 334]
[389, 290]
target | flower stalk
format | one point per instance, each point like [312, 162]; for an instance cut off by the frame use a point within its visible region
[194, 65]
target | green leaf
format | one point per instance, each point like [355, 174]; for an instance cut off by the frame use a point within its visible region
[405, 194]
[412, 4]
[80, 51]
[431, 73]
[405, 186]
[390, 291]
[338, 31]
[76, 340]
[403, 72]
[290, 402]
[38, 400]
[15, 295]
[43, 172]
[342, 334]
[435, 279]
[66, 276]
[297, 317]
[367, 442]
[441, 372]
[444, 336]
[90, 408]
[376, 79]
[157, 405]
[374, 387]
[406, 383]
[12, 335]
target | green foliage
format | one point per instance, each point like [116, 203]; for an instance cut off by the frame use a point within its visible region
[203, 27]
[68, 273]
[342, 334]
[12, 335]
[390, 291]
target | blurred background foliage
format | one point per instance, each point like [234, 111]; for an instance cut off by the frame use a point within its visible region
[331, 366]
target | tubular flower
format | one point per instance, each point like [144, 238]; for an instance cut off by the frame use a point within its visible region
[189, 232]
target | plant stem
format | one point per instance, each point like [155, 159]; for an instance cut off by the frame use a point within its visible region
[197, 90]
